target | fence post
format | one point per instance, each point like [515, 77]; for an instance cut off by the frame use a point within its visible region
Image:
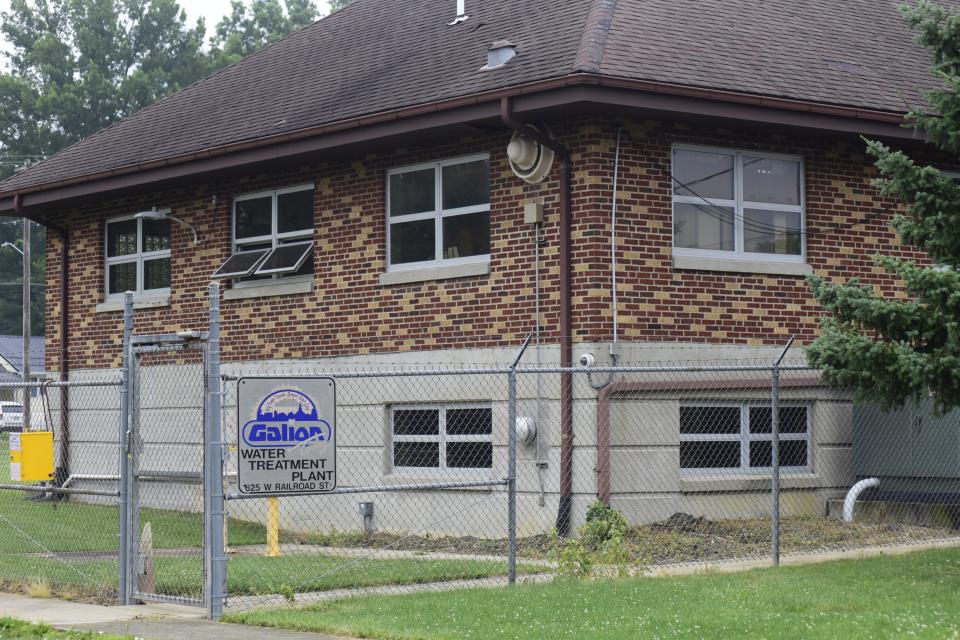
[775, 454]
[215, 558]
[123, 462]
[512, 475]
[512, 463]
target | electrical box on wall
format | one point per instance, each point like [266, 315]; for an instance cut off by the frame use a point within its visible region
[533, 213]
[31, 456]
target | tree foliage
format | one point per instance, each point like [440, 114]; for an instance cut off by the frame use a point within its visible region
[893, 350]
[249, 27]
[77, 66]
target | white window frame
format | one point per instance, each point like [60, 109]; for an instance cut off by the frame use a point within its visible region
[139, 258]
[274, 238]
[442, 438]
[438, 214]
[745, 437]
[739, 205]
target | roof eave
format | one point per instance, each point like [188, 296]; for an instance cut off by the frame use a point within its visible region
[570, 89]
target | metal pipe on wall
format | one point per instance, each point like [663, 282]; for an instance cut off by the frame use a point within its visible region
[566, 341]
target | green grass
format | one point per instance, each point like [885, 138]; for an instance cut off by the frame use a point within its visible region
[252, 575]
[12, 629]
[28, 526]
[915, 595]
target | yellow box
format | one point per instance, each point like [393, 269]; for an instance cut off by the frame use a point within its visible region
[31, 456]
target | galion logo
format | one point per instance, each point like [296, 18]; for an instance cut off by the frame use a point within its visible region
[286, 419]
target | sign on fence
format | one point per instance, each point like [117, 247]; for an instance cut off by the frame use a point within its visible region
[286, 435]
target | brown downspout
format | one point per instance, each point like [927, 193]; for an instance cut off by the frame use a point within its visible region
[618, 388]
[566, 342]
[63, 470]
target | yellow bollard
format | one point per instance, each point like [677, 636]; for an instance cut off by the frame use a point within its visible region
[273, 527]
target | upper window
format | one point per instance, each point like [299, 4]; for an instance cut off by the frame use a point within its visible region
[272, 235]
[137, 256]
[737, 204]
[739, 436]
[442, 437]
[439, 213]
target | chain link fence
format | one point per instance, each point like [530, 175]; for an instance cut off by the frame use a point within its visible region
[457, 476]
[59, 535]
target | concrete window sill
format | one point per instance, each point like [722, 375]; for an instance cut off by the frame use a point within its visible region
[435, 273]
[153, 302]
[698, 484]
[700, 263]
[268, 290]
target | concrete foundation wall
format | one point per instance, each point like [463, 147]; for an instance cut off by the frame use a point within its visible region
[646, 481]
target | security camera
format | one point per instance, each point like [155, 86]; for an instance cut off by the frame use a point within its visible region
[587, 360]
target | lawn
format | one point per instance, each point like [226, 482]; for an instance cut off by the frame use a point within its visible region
[247, 574]
[914, 595]
[12, 629]
[84, 539]
[29, 526]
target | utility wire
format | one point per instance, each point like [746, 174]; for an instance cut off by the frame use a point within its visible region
[724, 215]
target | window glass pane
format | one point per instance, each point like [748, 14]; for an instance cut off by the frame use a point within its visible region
[769, 180]
[416, 454]
[792, 420]
[469, 422]
[156, 235]
[121, 238]
[694, 420]
[413, 192]
[710, 455]
[466, 184]
[772, 232]
[295, 211]
[761, 453]
[412, 241]
[416, 422]
[156, 274]
[703, 227]
[702, 173]
[469, 455]
[122, 277]
[466, 235]
[793, 453]
[254, 217]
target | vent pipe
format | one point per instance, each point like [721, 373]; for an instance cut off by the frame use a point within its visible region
[461, 12]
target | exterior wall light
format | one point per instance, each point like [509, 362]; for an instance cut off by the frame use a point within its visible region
[161, 215]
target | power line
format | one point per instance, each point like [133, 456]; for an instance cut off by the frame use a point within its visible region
[724, 215]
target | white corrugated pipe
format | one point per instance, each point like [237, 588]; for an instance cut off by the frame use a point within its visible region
[854, 493]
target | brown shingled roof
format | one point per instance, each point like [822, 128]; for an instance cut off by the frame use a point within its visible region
[377, 56]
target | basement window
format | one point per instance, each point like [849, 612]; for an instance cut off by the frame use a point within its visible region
[738, 437]
[137, 257]
[442, 437]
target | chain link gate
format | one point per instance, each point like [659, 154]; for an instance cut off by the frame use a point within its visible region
[170, 530]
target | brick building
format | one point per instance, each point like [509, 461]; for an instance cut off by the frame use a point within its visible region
[363, 169]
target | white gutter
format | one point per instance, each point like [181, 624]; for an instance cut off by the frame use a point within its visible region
[854, 493]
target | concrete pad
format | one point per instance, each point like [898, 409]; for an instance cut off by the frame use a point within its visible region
[59, 612]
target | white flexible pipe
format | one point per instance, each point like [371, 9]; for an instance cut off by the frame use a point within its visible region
[854, 493]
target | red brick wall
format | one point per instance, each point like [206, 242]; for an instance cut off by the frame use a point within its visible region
[350, 312]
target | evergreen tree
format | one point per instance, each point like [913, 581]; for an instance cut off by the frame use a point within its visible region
[895, 350]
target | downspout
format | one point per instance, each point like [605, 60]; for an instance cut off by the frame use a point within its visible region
[566, 342]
